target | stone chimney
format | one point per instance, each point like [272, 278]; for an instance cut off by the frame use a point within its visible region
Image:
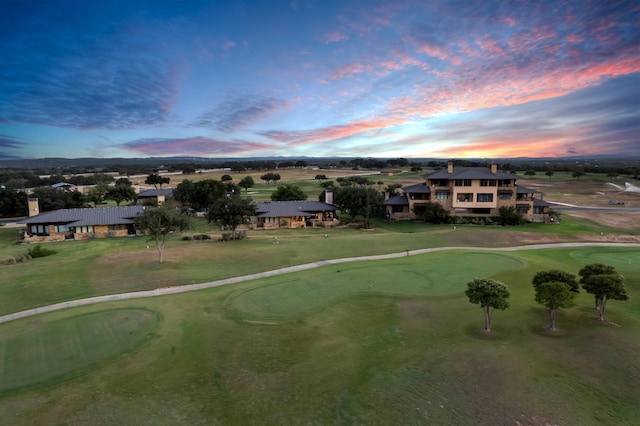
[450, 167]
[33, 206]
[494, 168]
[328, 196]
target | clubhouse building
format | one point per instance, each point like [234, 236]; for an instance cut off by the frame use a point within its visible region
[469, 191]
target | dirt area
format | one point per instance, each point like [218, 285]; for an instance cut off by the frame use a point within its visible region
[585, 192]
[623, 220]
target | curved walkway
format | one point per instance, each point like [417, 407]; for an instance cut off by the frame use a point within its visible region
[193, 287]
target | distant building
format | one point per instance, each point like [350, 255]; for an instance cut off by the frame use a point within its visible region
[293, 214]
[469, 191]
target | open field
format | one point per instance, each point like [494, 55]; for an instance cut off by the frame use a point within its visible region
[385, 342]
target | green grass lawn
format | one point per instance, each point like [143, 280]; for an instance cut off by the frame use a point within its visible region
[384, 342]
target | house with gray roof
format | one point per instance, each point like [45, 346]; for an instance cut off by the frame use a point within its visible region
[155, 196]
[469, 191]
[293, 214]
[80, 223]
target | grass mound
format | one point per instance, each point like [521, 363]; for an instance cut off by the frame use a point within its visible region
[59, 348]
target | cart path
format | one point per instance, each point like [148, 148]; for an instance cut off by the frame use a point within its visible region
[194, 287]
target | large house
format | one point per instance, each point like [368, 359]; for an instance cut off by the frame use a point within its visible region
[155, 196]
[293, 214]
[80, 223]
[469, 191]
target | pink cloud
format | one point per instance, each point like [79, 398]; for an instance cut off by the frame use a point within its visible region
[331, 133]
[334, 37]
[228, 44]
[349, 69]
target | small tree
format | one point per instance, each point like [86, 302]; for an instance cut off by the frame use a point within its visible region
[549, 173]
[530, 173]
[604, 283]
[432, 213]
[509, 215]
[489, 294]
[577, 174]
[159, 223]
[554, 295]
[98, 193]
[226, 178]
[231, 212]
[556, 275]
[156, 180]
[288, 192]
[122, 191]
[246, 183]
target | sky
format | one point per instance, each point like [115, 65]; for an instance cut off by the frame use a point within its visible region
[319, 78]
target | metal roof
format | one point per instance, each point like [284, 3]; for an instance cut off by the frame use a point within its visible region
[292, 208]
[398, 200]
[469, 173]
[523, 190]
[167, 192]
[419, 188]
[87, 217]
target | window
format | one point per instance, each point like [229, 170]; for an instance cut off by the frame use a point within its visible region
[40, 229]
[442, 195]
[84, 229]
[504, 195]
[462, 182]
[504, 182]
[440, 182]
[485, 198]
[61, 228]
[465, 197]
[488, 182]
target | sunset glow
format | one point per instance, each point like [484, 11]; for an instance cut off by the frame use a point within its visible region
[388, 78]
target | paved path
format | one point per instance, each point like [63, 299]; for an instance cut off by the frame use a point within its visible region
[193, 287]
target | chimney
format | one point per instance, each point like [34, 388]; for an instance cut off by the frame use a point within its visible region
[450, 167]
[494, 168]
[33, 207]
[328, 196]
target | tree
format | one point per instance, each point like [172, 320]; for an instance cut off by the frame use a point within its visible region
[489, 294]
[554, 295]
[122, 191]
[604, 283]
[288, 192]
[12, 203]
[159, 223]
[97, 194]
[577, 174]
[246, 183]
[432, 213]
[530, 173]
[549, 173]
[509, 215]
[556, 275]
[156, 180]
[231, 212]
[270, 177]
[359, 201]
[201, 194]
[226, 178]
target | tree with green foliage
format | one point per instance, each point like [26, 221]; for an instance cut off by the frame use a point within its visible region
[270, 177]
[201, 194]
[121, 191]
[554, 295]
[432, 213]
[530, 173]
[604, 283]
[556, 275]
[509, 215]
[577, 174]
[159, 223]
[246, 183]
[56, 199]
[288, 192]
[12, 203]
[97, 194]
[360, 201]
[231, 212]
[548, 173]
[156, 180]
[489, 294]
[226, 178]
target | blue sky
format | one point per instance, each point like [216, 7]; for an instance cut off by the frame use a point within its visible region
[363, 78]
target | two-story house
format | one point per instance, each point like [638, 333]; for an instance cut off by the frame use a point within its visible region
[469, 191]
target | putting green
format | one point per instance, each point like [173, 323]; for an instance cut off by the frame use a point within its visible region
[57, 348]
[426, 275]
[622, 260]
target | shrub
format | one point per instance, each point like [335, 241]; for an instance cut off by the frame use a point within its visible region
[39, 251]
[201, 237]
[186, 238]
[226, 236]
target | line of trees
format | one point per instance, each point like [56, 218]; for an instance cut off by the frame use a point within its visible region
[554, 289]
